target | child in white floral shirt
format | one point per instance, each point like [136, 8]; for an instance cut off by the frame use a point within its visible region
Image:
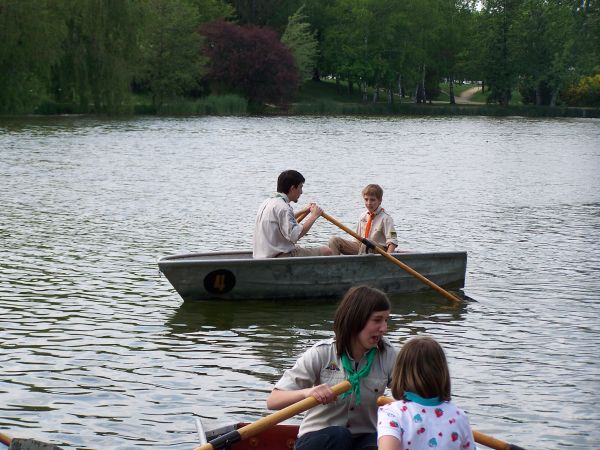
[423, 417]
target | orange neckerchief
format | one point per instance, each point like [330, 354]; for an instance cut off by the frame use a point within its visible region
[369, 222]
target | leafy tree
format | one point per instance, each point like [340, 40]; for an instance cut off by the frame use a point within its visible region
[302, 42]
[499, 48]
[584, 93]
[346, 43]
[545, 49]
[101, 54]
[171, 47]
[249, 60]
[212, 10]
[587, 29]
[31, 32]
[450, 48]
[273, 14]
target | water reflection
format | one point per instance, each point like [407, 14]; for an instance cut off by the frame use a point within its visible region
[277, 332]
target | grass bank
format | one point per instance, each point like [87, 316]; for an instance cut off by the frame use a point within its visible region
[328, 99]
[325, 98]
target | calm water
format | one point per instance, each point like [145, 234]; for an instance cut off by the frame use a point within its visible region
[98, 351]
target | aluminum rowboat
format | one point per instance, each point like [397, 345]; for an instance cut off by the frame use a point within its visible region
[237, 276]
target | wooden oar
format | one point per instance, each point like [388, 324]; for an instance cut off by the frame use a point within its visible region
[6, 440]
[302, 216]
[393, 260]
[480, 438]
[260, 425]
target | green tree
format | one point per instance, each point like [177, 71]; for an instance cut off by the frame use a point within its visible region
[346, 42]
[498, 50]
[31, 32]
[266, 13]
[299, 38]
[101, 54]
[212, 10]
[544, 51]
[587, 30]
[172, 64]
[451, 47]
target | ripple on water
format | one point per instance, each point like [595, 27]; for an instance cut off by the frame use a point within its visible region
[99, 352]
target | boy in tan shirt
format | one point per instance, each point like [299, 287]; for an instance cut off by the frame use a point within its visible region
[374, 224]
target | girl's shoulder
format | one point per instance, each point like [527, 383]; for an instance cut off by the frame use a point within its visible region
[325, 348]
[394, 408]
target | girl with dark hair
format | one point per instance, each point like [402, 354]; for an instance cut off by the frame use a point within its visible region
[358, 353]
[423, 415]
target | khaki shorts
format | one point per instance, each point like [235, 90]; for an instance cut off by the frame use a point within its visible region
[300, 251]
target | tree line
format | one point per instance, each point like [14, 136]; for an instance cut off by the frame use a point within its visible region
[96, 55]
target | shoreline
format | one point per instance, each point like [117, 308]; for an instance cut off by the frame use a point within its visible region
[333, 109]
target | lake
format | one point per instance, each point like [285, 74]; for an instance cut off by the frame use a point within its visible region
[98, 350]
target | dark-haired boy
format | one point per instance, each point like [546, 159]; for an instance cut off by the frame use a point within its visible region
[276, 230]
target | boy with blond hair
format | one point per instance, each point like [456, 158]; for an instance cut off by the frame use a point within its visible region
[374, 224]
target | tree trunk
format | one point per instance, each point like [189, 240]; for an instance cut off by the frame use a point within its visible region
[350, 86]
[451, 85]
[400, 88]
[505, 98]
[338, 87]
[390, 94]
[482, 87]
[554, 97]
[364, 92]
[420, 95]
[316, 74]
[538, 95]
[375, 93]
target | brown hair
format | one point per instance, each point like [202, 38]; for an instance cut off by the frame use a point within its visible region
[287, 179]
[421, 367]
[353, 313]
[373, 189]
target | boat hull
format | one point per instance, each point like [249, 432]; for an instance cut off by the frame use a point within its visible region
[277, 437]
[237, 276]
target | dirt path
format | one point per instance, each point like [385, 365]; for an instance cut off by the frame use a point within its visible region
[465, 97]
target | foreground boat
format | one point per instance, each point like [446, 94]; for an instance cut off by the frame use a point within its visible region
[277, 437]
[236, 275]
[283, 437]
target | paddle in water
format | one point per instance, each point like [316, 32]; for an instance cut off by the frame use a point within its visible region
[26, 444]
[410, 270]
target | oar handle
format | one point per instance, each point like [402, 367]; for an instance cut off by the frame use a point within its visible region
[479, 437]
[6, 440]
[260, 425]
[302, 216]
[386, 255]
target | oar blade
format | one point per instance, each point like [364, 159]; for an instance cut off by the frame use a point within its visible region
[31, 444]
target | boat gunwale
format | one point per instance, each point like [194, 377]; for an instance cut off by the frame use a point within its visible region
[204, 258]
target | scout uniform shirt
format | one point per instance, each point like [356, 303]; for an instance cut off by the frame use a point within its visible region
[276, 229]
[382, 231]
[321, 365]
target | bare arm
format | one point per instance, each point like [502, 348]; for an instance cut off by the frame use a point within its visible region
[279, 399]
[315, 212]
[391, 248]
[388, 443]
